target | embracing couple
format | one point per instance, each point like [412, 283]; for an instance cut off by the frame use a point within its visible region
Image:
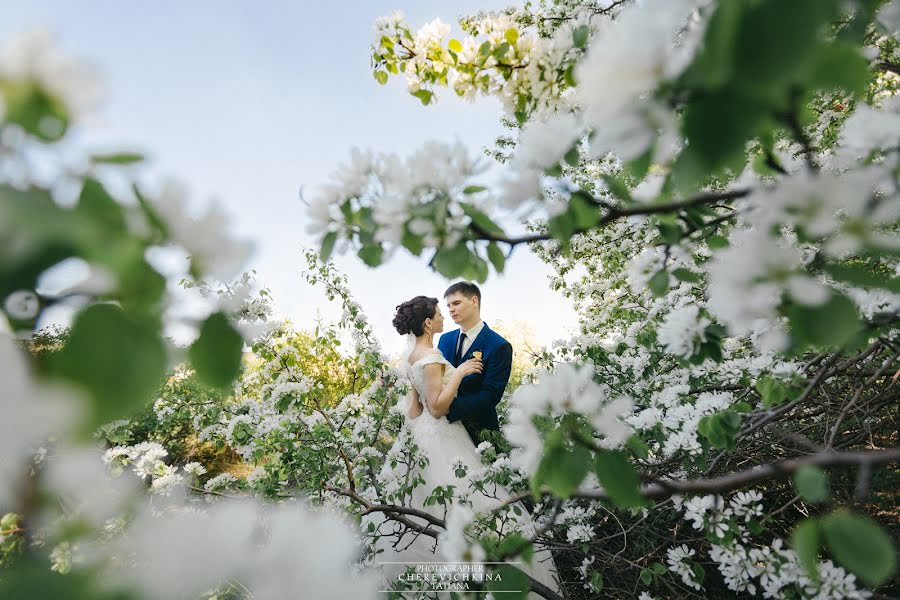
[453, 402]
[465, 377]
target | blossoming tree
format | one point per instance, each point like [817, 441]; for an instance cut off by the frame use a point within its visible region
[715, 185]
[61, 508]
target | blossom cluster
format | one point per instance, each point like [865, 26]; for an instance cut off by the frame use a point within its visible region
[527, 71]
[567, 390]
[382, 201]
[748, 566]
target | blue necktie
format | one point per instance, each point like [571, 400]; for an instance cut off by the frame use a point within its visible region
[459, 346]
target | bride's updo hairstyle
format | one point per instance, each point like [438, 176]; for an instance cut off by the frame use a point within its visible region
[410, 316]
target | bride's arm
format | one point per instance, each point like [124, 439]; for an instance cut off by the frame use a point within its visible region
[415, 407]
[440, 398]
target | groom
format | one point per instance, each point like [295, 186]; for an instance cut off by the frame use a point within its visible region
[476, 401]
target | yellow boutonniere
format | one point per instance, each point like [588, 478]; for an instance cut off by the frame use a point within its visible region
[477, 354]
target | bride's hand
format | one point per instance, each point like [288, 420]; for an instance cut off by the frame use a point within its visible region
[471, 366]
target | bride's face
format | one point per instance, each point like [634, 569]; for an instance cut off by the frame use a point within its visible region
[437, 321]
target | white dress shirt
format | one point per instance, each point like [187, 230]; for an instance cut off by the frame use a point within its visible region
[470, 337]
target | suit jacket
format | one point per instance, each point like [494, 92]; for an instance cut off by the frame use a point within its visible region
[476, 401]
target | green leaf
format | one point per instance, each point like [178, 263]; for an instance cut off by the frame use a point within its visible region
[716, 241]
[713, 65]
[371, 254]
[646, 576]
[140, 286]
[805, 542]
[216, 354]
[381, 77]
[118, 158]
[511, 35]
[840, 66]
[686, 275]
[562, 226]
[718, 126]
[811, 483]
[860, 545]
[580, 36]
[859, 275]
[720, 428]
[496, 256]
[424, 96]
[35, 581]
[501, 50]
[671, 232]
[658, 568]
[585, 213]
[515, 541]
[121, 362]
[617, 188]
[569, 77]
[638, 167]
[39, 112]
[455, 45]
[771, 390]
[699, 572]
[563, 469]
[476, 269]
[328, 245]
[831, 324]
[572, 157]
[480, 219]
[473, 189]
[512, 583]
[659, 283]
[412, 242]
[618, 478]
[742, 407]
[96, 205]
[638, 447]
[451, 262]
[777, 43]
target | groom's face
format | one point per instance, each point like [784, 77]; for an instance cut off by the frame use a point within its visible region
[462, 309]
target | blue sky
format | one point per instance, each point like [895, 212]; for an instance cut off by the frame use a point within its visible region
[246, 105]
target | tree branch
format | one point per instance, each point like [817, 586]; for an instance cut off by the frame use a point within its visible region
[726, 483]
[614, 213]
[392, 512]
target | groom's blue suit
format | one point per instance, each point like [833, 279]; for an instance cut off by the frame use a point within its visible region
[476, 401]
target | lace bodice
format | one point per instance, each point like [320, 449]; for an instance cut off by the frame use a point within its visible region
[416, 372]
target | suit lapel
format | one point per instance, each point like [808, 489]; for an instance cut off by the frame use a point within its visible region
[478, 344]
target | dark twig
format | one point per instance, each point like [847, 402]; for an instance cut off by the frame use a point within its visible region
[726, 483]
[616, 213]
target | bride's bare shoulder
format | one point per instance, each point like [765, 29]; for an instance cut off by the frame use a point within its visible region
[432, 361]
[421, 355]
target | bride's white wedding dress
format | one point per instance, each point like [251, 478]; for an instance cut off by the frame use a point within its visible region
[445, 444]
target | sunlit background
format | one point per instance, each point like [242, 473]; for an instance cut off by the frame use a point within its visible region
[249, 106]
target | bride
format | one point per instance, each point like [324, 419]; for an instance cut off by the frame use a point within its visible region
[434, 385]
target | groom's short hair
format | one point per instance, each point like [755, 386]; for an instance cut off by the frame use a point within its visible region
[465, 288]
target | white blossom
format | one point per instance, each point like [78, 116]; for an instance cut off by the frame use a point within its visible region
[22, 305]
[453, 542]
[34, 55]
[676, 559]
[204, 236]
[683, 330]
[32, 412]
